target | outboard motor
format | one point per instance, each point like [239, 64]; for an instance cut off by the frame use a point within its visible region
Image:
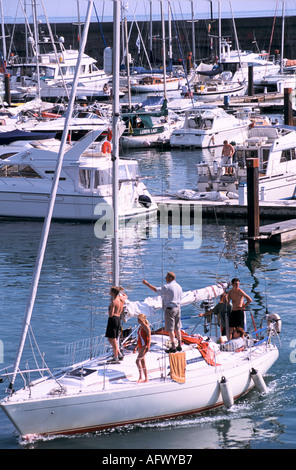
[145, 201]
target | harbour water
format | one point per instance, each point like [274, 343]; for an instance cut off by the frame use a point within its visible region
[73, 297]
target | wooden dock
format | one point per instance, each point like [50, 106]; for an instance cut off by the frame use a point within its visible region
[278, 233]
[272, 210]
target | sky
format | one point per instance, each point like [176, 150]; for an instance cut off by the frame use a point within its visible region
[66, 10]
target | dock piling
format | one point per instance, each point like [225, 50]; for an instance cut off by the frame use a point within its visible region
[253, 201]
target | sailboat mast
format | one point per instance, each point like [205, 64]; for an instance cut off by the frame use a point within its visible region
[115, 150]
[47, 221]
[163, 50]
[283, 38]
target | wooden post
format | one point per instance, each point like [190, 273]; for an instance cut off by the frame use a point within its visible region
[250, 81]
[253, 201]
[288, 110]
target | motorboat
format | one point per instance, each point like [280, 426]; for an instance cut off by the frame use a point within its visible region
[81, 123]
[209, 126]
[85, 186]
[276, 82]
[149, 129]
[274, 146]
[241, 60]
[56, 73]
[104, 394]
[143, 130]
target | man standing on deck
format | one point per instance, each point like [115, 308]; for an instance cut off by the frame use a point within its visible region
[113, 326]
[227, 156]
[171, 293]
[237, 296]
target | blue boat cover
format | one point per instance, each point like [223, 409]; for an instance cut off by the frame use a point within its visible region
[12, 136]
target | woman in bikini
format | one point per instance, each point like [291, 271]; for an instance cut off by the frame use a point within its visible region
[144, 341]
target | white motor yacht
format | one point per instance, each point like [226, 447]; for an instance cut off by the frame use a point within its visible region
[56, 72]
[85, 187]
[275, 147]
[209, 126]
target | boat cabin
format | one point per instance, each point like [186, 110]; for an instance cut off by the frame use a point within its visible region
[273, 146]
[91, 173]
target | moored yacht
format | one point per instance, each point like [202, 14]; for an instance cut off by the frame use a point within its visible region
[155, 83]
[274, 146]
[85, 187]
[56, 73]
[209, 126]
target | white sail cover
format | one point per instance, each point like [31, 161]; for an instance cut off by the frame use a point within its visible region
[150, 305]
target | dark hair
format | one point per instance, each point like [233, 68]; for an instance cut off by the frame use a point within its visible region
[115, 290]
[240, 331]
[171, 275]
[235, 279]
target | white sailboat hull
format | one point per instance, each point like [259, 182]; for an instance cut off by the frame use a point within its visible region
[132, 402]
[219, 93]
[171, 84]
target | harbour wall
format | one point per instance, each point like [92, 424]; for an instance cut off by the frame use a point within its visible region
[250, 31]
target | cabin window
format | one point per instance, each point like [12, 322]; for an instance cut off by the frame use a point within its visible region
[71, 70]
[287, 155]
[47, 72]
[133, 171]
[18, 171]
[85, 178]
[251, 154]
[265, 156]
[63, 70]
[239, 158]
[123, 173]
[103, 177]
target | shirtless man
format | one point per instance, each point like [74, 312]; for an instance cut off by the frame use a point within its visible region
[113, 326]
[227, 154]
[237, 295]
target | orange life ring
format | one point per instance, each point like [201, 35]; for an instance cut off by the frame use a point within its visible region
[106, 147]
[109, 136]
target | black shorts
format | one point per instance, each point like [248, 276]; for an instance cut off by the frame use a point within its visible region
[237, 318]
[113, 327]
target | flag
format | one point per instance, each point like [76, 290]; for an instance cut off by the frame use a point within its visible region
[138, 44]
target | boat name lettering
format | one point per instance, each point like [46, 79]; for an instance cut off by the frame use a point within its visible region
[148, 131]
[151, 459]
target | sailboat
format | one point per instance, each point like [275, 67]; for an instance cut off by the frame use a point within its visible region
[96, 394]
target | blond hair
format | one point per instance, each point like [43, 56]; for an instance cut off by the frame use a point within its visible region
[143, 319]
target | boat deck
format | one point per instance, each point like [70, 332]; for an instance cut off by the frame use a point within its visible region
[99, 374]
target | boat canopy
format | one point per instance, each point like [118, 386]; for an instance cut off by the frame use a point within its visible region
[7, 138]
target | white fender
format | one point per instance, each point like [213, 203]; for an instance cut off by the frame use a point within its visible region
[226, 392]
[258, 381]
[276, 319]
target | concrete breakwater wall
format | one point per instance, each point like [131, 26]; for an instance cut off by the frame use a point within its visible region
[248, 31]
